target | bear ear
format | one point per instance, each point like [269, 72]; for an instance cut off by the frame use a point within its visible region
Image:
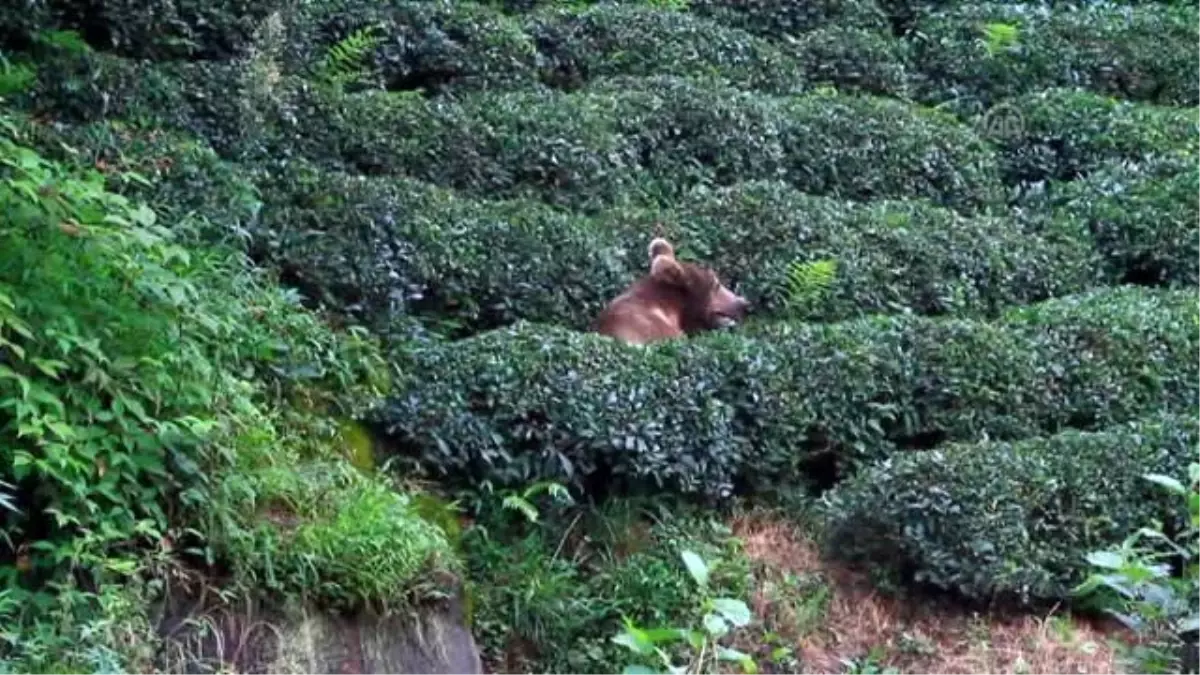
[666, 269]
[661, 247]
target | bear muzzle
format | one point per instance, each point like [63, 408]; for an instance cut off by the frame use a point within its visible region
[728, 308]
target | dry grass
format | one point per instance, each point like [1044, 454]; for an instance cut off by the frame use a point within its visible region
[830, 616]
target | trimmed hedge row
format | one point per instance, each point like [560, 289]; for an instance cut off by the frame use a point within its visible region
[1063, 134]
[855, 60]
[227, 103]
[621, 39]
[977, 55]
[890, 255]
[381, 247]
[1011, 520]
[780, 18]
[1142, 218]
[708, 414]
[445, 47]
[149, 29]
[430, 46]
[654, 138]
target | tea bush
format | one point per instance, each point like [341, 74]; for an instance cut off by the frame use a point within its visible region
[650, 139]
[379, 247]
[855, 60]
[891, 256]
[434, 47]
[1011, 520]
[190, 29]
[631, 39]
[1063, 134]
[779, 18]
[713, 414]
[978, 55]
[1143, 219]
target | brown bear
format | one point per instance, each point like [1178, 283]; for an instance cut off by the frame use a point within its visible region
[674, 300]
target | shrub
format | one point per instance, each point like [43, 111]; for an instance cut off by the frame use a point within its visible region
[628, 39]
[180, 177]
[383, 247]
[854, 60]
[978, 55]
[891, 255]
[653, 138]
[1062, 134]
[237, 107]
[433, 47]
[184, 29]
[777, 18]
[581, 405]
[1143, 219]
[707, 414]
[20, 23]
[1010, 520]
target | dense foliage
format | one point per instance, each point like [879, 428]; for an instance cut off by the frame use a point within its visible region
[151, 390]
[531, 402]
[234, 229]
[1013, 519]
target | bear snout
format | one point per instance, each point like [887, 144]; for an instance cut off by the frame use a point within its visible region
[728, 308]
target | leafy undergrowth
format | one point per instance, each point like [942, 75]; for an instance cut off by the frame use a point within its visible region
[159, 397]
[550, 595]
[987, 215]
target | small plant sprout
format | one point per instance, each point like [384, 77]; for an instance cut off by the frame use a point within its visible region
[1136, 579]
[700, 650]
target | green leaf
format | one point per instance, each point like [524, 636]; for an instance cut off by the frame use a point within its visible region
[657, 635]
[735, 611]
[696, 567]
[1106, 559]
[638, 669]
[715, 625]
[747, 663]
[1167, 482]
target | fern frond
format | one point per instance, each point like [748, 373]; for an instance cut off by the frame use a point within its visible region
[805, 282]
[346, 60]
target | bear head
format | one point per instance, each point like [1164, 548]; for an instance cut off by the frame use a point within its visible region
[704, 303]
[674, 300]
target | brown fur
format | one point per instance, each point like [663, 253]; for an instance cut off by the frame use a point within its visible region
[675, 299]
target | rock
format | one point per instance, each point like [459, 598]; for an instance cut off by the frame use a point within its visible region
[210, 634]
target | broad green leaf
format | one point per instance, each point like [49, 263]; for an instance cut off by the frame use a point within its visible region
[1107, 559]
[1167, 482]
[735, 611]
[696, 567]
[657, 635]
[715, 625]
[747, 663]
[638, 669]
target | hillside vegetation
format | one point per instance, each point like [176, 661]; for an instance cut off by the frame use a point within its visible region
[294, 302]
